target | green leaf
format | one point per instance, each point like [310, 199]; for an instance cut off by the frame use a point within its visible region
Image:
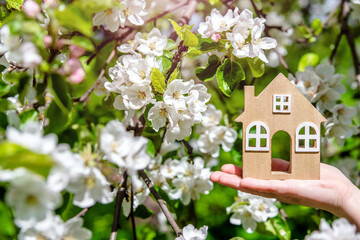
[257, 66]
[175, 75]
[207, 45]
[170, 45]
[237, 238]
[83, 42]
[157, 80]
[16, 4]
[185, 34]
[150, 149]
[59, 110]
[143, 212]
[281, 228]
[165, 64]
[7, 225]
[308, 59]
[193, 52]
[228, 75]
[13, 156]
[305, 32]
[316, 26]
[75, 18]
[206, 73]
[28, 115]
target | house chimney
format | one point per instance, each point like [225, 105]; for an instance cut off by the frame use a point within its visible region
[249, 94]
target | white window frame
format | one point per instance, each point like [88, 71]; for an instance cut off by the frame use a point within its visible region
[258, 136]
[307, 137]
[282, 103]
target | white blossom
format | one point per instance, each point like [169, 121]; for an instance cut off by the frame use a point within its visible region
[32, 137]
[110, 18]
[31, 198]
[192, 179]
[340, 229]
[153, 44]
[90, 187]
[191, 233]
[67, 167]
[140, 194]
[348, 166]
[216, 23]
[250, 209]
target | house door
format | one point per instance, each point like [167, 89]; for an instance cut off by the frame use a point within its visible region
[280, 148]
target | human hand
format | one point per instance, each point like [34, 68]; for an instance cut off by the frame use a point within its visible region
[333, 192]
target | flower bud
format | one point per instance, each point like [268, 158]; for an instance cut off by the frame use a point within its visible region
[47, 41]
[216, 37]
[31, 8]
[76, 51]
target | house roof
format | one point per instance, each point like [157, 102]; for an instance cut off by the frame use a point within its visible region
[281, 85]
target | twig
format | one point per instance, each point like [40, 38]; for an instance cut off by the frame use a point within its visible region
[82, 213]
[132, 216]
[189, 149]
[345, 30]
[119, 199]
[176, 7]
[176, 59]
[162, 140]
[331, 14]
[109, 40]
[161, 202]
[85, 97]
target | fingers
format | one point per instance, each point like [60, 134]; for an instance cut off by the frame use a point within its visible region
[232, 169]
[279, 165]
[235, 182]
[229, 180]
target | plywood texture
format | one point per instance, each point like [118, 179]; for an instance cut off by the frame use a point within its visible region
[257, 164]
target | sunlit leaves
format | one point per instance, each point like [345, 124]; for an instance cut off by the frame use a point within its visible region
[206, 73]
[185, 34]
[257, 66]
[157, 80]
[13, 156]
[229, 75]
[308, 59]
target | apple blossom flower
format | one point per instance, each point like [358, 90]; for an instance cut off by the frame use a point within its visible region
[26, 55]
[110, 18]
[32, 137]
[216, 23]
[67, 167]
[90, 187]
[140, 193]
[154, 43]
[250, 209]
[340, 229]
[191, 233]
[31, 198]
[192, 179]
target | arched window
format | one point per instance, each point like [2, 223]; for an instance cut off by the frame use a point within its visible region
[307, 138]
[257, 137]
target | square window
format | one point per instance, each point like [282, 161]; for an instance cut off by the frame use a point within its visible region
[312, 143]
[252, 142]
[262, 142]
[281, 103]
[301, 143]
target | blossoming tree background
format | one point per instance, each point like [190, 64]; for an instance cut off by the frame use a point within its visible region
[114, 113]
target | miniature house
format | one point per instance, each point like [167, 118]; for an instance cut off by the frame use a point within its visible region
[280, 107]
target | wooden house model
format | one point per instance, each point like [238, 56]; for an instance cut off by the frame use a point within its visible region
[280, 107]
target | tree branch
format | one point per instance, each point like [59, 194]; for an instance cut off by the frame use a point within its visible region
[85, 97]
[161, 202]
[119, 199]
[132, 216]
[176, 59]
[189, 149]
[176, 7]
